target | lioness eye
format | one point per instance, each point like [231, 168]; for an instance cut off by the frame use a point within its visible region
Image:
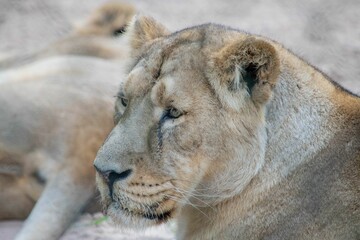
[174, 113]
[124, 101]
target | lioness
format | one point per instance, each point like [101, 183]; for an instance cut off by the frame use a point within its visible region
[232, 134]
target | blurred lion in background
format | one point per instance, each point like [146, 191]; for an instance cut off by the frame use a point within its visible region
[55, 112]
[98, 36]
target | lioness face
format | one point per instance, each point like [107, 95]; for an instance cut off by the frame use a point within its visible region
[178, 133]
[160, 141]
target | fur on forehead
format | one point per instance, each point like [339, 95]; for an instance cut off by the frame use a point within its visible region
[144, 74]
[162, 90]
[137, 83]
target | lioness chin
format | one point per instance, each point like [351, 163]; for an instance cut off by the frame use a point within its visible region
[234, 136]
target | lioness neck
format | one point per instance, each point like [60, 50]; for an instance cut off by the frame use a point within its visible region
[305, 114]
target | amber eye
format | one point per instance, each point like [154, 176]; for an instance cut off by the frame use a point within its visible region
[173, 113]
[124, 101]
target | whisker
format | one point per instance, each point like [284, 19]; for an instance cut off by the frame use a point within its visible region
[196, 193]
[183, 180]
[181, 191]
[196, 207]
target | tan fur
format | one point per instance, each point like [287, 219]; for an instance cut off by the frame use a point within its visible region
[49, 127]
[143, 32]
[50, 130]
[98, 36]
[265, 147]
[107, 18]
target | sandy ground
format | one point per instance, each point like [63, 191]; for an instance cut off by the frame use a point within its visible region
[97, 227]
[326, 33]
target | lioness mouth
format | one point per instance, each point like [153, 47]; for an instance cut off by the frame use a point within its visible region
[160, 217]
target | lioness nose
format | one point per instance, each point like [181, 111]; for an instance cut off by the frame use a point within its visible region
[112, 176]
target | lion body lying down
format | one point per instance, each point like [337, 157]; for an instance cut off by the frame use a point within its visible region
[235, 136]
[50, 130]
[55, 111]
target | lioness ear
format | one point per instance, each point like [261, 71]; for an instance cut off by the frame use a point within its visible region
[143, 29]
[249, 64]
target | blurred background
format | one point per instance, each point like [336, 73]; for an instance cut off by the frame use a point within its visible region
[326, 33]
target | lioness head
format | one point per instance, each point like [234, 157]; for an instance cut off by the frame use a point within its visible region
[108, 20]
[193, 126]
